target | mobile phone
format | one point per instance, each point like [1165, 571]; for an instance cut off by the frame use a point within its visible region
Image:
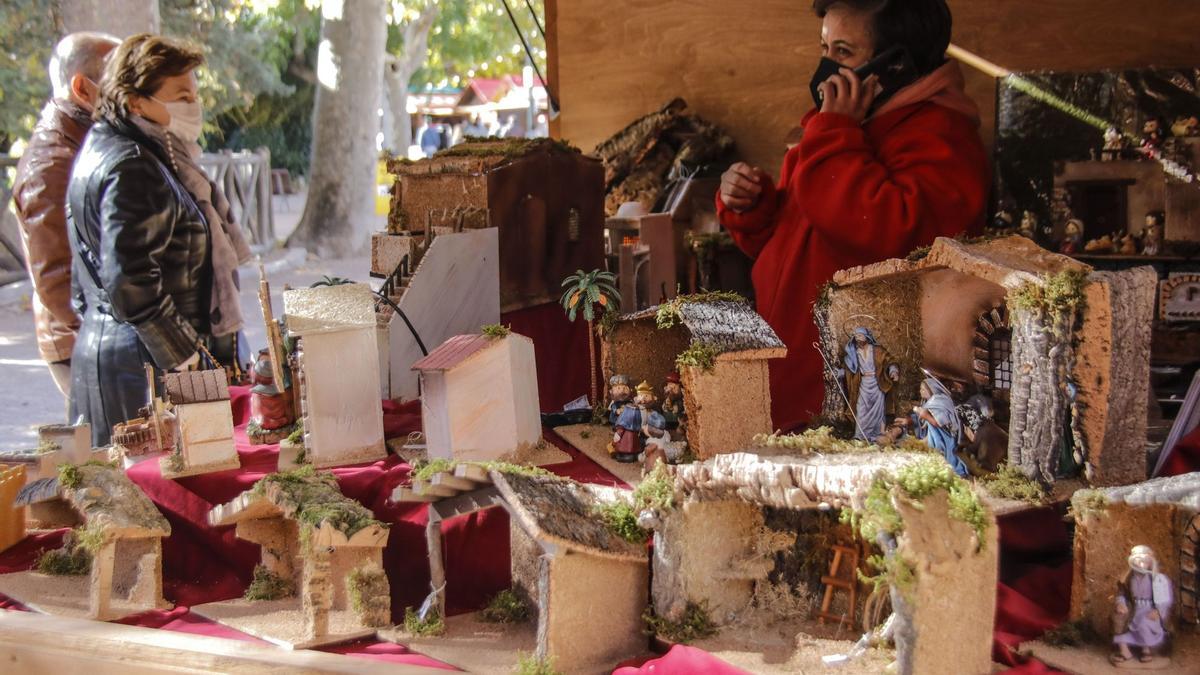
[894, 67]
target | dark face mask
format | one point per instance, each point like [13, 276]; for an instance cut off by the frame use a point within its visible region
[894, 68]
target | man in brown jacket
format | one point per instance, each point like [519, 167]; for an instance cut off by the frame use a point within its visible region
[40, 189]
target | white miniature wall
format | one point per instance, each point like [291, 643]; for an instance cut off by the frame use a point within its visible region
[455, 290]
[206, 432]
[343, 421]
[487, 406]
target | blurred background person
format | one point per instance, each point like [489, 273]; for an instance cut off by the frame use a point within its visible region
[143, 259]
[40, 192]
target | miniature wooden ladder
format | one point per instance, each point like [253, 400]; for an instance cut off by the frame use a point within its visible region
[834, 581]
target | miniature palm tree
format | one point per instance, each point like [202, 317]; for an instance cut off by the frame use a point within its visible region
[586, 290]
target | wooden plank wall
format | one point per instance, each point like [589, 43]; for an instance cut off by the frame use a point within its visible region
[746, 65]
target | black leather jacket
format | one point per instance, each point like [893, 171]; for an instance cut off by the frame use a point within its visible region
[141, 270]
[140, 243]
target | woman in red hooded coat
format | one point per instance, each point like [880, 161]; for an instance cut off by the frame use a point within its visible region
[875, 175]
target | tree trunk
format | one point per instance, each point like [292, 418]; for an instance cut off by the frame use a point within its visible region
[1041, 351]
[339, 213]
[121, 18]
[398, 74]
[592, 363]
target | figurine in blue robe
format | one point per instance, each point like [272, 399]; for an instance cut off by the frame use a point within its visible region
[635, 424]
[936, 422]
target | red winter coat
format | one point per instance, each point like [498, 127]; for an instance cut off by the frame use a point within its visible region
[849, 195]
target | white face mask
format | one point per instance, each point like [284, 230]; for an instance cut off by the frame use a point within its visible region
[187, 119]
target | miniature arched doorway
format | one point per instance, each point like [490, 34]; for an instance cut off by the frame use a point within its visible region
[1189, 572]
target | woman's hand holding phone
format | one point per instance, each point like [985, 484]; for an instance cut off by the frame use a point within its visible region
[740, 188]
[845, 94]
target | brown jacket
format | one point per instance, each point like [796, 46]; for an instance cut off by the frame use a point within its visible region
[40, 197]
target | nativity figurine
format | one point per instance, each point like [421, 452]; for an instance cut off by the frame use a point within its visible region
[1143, 605]
[1154, 132]
[870, 375]
[1152, 234]
[937, 423]
[619, 395]
[1114, 145]
[1029, 225]
[637, 423]
[672, 403]
[272, 413]
[1072, 243]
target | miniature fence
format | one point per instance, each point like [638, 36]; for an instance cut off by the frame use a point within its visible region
[11, 255]
[245, 177]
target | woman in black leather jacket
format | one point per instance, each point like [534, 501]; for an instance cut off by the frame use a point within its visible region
[142, 261]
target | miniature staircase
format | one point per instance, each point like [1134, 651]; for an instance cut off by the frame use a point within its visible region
[835, 580]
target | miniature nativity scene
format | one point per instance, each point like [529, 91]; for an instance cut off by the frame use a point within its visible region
[110, 564]
[321, 579]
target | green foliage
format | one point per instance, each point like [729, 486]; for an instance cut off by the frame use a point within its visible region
[28, 32]
[585, 290]
[669, 313]
[505, 607]
[175, 463]
[656, 491]
[1057, 294]
[697, 355]
[695, 624]
[69, 476]
[1071, 634]
[1010, 483]
[607, 321]
[622, 520]
[1088, 503]
[267, 585]
[89, 538]
[824, 296]
[47, 446]
[914, 482]
[823, 440]
[316, 499]
[369, 593]
[431, 625]
[427, 469]
[297, 435]
[495, 330]
[528, 664]
[61, 562]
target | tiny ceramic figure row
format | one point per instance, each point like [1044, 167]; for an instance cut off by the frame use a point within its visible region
[965, 434]
[644, 426]
[1074, 242]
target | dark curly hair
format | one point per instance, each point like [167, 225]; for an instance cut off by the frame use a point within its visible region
[138, 68]
[922, 26]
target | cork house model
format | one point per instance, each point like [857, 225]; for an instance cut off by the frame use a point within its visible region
[317, 544]
[1163, 513]
[579, 578]
[203, 423]
[1062, 349]
[479, 397]
[125, 533]
[770, 537]
[338, 378]
[725, 384]
[545, 198]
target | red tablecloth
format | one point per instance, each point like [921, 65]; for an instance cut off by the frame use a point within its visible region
[202, 564]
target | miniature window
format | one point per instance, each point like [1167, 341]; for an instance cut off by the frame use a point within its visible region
[1000, 359]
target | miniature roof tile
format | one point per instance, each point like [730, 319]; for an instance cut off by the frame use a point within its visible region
[38, 491]
[725, 325]
[110, 502]
[561, 512]
[328, 309]
[454, 352]
[196, 386]
[1182, 491]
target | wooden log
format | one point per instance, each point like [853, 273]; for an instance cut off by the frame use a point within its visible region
[437, 573]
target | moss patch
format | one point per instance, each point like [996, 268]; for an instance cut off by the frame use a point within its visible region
[1071, 634]
[1061, 292]
[695, 624]
[622, 520]
[1010, 483]
[508, 148]
[431, 625]
[175, 463]
[915, 482]
[427, 469]
[505, 607]
[69, 476]
[267, 585]
[824, 440]
[66, 561]
[528, 664]
[297, 435]
[314, 498]
[669, 313]
[1088, 504]
[370, 594]
[495, 330]
[656, 492]
[697, 355]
